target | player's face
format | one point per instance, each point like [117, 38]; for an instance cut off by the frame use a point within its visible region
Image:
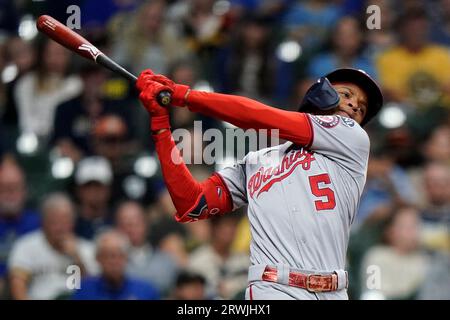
[353, 103]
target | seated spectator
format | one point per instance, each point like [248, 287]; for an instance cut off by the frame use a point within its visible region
[379, 40]
[347, 45]
[39, 260]
[309, 21]
[248, 68]
[93, 179]
[21, 55]
[440, 22]
[224, 270]
[74, 119]
[437, 147]
[189, 286]
[387, 184]
[437, 285]
[412, 71]
[111, 141]
[15, 218]
[399, 263]
[39, 92]
[436, 210]
[144, 261]
[146, 40]
[113, 283]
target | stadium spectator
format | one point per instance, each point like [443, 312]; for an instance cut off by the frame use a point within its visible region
[224, 270]
[412, 71]
[20, 56]
[93, 178]
[310, 21]
[144, 260]
[113, 283]
[147, 40]
[347, 50]
[39, 260]
[189, 286]
[38, 93]
[396, 269]
[15, 218]
[74, 119]
[248, 67]
[436, 210]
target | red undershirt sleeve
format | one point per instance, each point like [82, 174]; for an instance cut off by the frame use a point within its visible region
[246, 113]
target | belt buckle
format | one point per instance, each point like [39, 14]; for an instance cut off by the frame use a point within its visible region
[308, 286]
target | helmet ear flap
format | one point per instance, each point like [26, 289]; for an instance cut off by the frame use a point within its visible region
[321, 96]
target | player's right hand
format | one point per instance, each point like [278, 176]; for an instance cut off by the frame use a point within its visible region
[149, 91]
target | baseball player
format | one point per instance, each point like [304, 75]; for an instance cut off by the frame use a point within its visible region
[302, 195]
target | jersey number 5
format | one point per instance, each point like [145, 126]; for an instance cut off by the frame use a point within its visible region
[320, 191]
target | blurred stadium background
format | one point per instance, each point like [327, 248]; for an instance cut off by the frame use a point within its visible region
[80, 184]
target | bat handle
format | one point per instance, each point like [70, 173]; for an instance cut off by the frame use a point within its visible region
[164, 98]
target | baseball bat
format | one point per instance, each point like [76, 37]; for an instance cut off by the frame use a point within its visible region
[78, 44]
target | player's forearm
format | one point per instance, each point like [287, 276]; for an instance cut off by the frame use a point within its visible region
[191, 198]
[175, 172]
[246, 113]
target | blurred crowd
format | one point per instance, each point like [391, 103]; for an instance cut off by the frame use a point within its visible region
[80, 183]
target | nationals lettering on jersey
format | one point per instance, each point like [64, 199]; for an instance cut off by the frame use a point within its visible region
[301, 202]
[265, 177]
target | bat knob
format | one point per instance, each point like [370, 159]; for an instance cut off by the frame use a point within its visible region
[164, 98]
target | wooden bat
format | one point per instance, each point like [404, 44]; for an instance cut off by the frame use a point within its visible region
[78, 44]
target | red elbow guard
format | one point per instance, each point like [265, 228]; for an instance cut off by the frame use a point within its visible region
[214, 199]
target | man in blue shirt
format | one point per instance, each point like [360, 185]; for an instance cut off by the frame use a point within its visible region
[113, 283]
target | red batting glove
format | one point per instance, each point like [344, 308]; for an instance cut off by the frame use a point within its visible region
[179, 91]
[149, 91]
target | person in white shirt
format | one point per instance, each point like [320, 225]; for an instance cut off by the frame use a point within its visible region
[39, 92]
[39, 261]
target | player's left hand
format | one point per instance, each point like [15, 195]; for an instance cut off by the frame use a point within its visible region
[149, 90]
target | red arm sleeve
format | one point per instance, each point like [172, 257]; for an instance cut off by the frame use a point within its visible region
[193, 200]
[246, 113]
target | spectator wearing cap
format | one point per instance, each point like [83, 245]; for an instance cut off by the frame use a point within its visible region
[15, 218]
[39, 260]
[93, 179]
[145, 261]
[189, 286]
[114, 283]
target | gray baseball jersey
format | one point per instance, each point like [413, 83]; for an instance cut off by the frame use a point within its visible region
[302, 201]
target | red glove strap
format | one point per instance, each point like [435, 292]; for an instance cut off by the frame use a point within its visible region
[160, 122]
[179, 95]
